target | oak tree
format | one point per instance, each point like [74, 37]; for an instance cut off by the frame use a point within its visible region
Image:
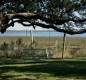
[68, 16]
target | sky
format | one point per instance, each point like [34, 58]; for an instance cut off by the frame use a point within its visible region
[19, 27]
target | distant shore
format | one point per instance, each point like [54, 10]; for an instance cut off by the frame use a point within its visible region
[40, 33]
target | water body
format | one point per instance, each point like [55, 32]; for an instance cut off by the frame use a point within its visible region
[39, 33]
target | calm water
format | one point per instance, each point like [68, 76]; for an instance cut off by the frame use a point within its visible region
[39, 33]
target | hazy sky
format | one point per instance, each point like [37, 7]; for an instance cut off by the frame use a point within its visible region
[18, 27]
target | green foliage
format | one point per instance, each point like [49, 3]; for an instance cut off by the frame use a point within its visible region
[53, 12]
[53, 9]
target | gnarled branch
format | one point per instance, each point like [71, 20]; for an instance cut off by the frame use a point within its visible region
[32, 18]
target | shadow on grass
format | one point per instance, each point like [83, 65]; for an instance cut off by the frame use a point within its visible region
[56, 68]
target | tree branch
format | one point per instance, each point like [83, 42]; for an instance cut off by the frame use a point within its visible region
[56, 28]
[28, 17]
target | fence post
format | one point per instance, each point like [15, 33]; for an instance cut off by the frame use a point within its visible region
[63, 49]
[82, 48]
[56, 45]
[31, 34]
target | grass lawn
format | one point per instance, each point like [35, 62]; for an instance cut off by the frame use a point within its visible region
[43, 69]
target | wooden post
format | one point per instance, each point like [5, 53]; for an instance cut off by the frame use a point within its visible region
[26, 36]
[82, 49]
[31, 37]
[63, 49]
[56, 45]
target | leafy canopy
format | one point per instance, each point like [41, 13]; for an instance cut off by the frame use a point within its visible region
[60, 15]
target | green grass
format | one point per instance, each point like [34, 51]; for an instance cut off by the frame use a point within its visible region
[43, 69]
